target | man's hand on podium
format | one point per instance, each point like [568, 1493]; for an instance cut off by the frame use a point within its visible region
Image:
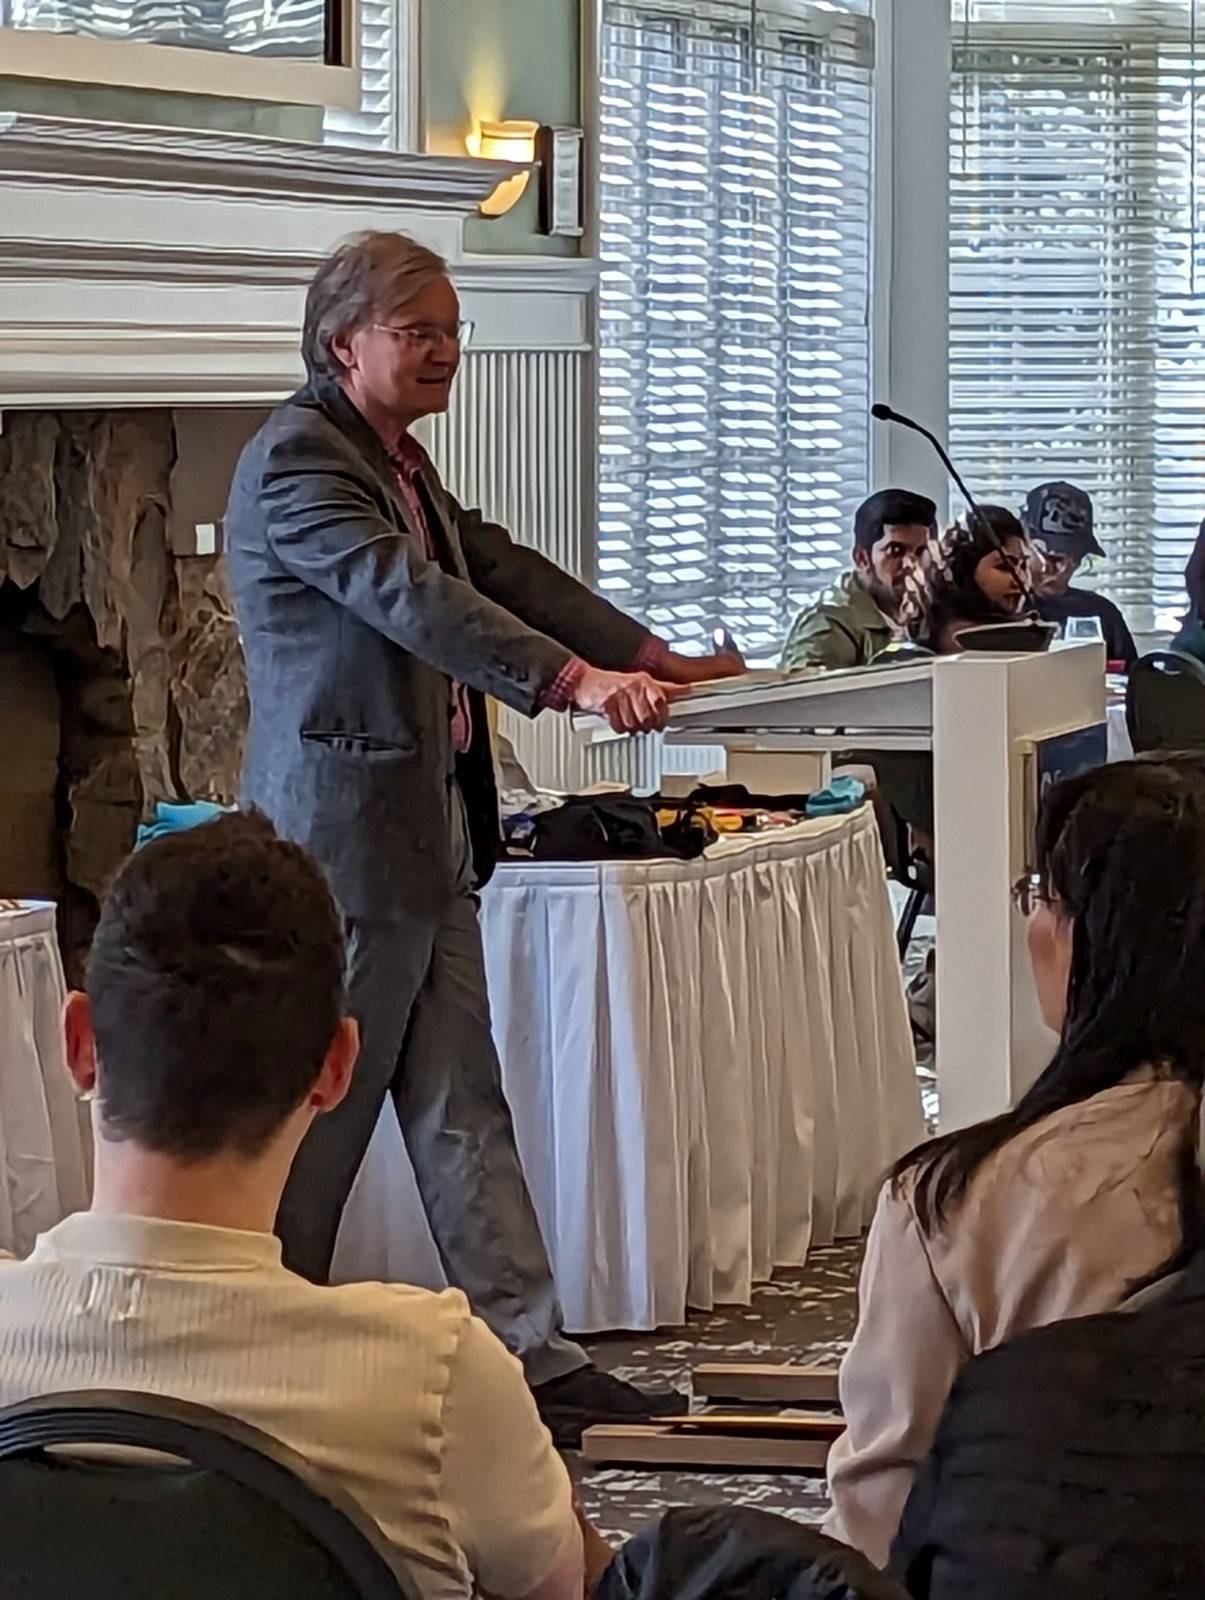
[632, 702]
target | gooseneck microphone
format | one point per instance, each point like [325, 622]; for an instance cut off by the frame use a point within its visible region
[885, 413]
[882, 413]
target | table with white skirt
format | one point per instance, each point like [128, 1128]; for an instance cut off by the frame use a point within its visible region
[44, 1152]
[709, 1063]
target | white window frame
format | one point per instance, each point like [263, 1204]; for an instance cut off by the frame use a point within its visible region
[788, 13]
[910, 188]
[1024, 34]
[910, 304]
[172, 69]
[407, 112]
[407, 26]
[130, 64]
[910, 300]
[406, 125]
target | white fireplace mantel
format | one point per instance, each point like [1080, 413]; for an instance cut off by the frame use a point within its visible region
[144, 266]
[156, 267]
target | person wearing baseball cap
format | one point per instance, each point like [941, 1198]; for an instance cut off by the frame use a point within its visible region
[1059, 521]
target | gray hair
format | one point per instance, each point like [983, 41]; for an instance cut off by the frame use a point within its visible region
[369, 276]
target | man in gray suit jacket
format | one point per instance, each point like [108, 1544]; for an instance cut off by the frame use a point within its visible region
[376, 614]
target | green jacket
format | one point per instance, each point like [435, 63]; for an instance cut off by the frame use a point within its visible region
[843, 629]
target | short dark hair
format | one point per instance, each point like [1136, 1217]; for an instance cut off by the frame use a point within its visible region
[216, 981]
[370, 275]
[898, 507]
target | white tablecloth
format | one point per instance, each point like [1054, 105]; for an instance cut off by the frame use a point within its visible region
[43, 1172]
[709, 1063]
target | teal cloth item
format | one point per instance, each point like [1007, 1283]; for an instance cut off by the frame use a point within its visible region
[176, 818]
[842, 795]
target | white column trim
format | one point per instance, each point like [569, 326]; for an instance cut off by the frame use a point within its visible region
[881, 234]
[408, 75]
[911, 304]
[591, 55]
[510, 444]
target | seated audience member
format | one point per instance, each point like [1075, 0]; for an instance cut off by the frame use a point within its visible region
[974, 575]
[1058, 519]
[1068, 1463]
[1190, 641]
[1088, 1187]
[858, 617]
[212, 1033]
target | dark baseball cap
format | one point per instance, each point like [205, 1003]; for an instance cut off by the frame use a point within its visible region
[1060, 516]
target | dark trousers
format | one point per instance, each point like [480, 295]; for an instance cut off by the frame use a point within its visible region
[417, 990]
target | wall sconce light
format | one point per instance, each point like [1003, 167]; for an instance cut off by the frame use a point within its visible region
[504, 141]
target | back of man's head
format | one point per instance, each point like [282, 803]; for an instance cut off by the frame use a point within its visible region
[216, 984]
[892, 508]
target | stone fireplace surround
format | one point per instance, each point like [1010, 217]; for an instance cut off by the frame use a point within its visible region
[151, 284]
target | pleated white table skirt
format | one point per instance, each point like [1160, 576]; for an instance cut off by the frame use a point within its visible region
[709, 1063]
[43, 1155]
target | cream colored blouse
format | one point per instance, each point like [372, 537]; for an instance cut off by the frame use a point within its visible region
[1061, 1222]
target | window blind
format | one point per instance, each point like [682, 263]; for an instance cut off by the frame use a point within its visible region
[1078, 271]
[376, 124]
[735, 143]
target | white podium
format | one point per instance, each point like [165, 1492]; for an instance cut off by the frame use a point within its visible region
[993, 723]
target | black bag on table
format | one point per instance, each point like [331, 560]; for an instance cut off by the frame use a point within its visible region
[612, 827]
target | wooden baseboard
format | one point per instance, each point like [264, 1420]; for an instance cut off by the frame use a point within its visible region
[750, 1444]
[758, 1384]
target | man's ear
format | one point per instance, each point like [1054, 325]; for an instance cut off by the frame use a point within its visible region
[344, 349]
[861, 559]
[334, 1080]
[80, 1041]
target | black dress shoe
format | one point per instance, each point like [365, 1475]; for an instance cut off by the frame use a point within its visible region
[588, 1395]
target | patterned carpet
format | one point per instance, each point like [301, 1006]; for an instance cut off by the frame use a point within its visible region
[804, 1316]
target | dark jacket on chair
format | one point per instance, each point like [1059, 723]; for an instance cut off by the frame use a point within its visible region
[1070, 1465]
[738, 1553]
[351, 635]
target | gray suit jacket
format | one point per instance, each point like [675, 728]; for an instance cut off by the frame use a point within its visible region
[351, 633]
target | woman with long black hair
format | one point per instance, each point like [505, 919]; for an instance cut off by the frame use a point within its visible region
[975, 574]
[1089, 1187]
